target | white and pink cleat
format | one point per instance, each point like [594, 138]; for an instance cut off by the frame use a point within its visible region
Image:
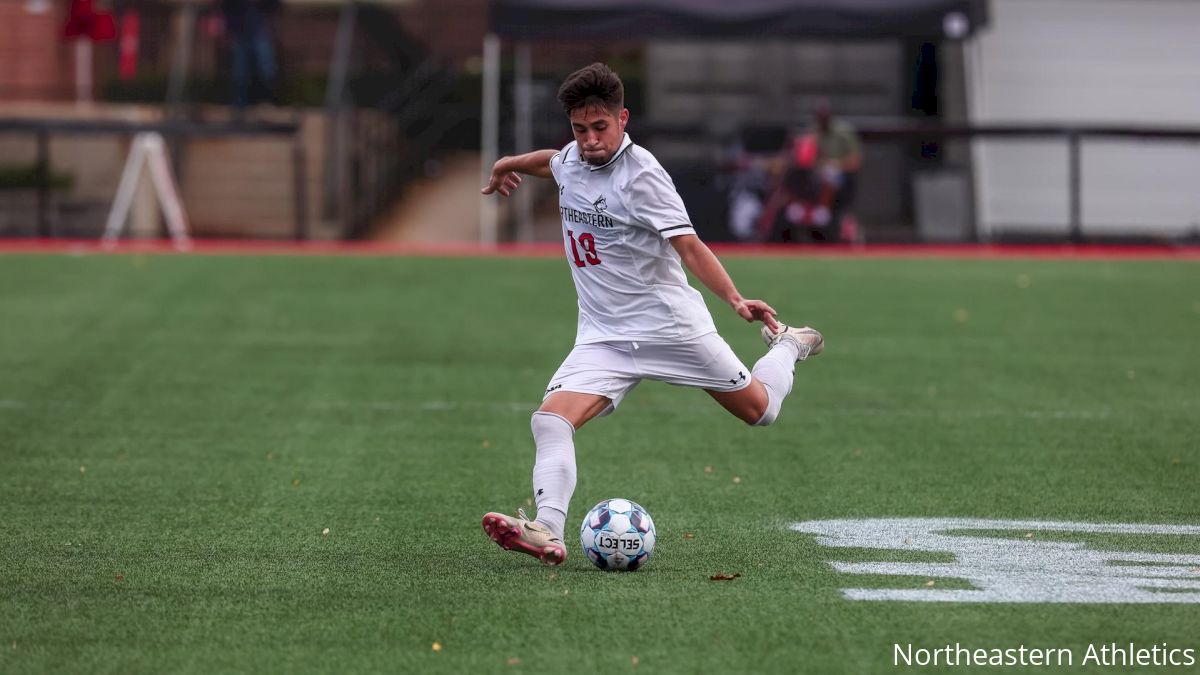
[524, 535]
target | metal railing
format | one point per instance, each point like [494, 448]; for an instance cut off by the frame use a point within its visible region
[175, 132]
[379, 137]
[1074, 135]
[898, 129]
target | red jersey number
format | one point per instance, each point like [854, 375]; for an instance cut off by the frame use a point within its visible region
[588, 243]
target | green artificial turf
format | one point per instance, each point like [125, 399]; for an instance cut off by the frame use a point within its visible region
[177, 433]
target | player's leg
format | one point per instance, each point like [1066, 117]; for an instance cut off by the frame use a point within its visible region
[749, 404]
[554, 426]
[591, 382]
[707, 363]
[776, 369]
[759, 402]
[576, 408]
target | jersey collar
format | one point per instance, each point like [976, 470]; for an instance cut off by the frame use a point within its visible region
[625, 143]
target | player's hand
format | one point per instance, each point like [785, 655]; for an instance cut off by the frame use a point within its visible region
[756, 310]
[504, 182]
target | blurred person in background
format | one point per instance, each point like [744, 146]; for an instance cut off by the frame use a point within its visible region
[744, 179]
[248, 24]
[814, 183]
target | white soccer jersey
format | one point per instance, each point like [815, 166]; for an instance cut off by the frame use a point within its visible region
[616, 221]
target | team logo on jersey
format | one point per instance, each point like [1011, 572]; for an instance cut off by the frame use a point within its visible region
[601, 204]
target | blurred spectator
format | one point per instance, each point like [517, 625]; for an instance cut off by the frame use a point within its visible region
[248, 23]
[815, 181]
[744, 180]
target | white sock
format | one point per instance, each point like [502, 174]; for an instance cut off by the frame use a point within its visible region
[553, 469]
[553, 519]
[775, 370]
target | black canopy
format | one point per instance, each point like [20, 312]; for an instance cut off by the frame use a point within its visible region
[733, 19]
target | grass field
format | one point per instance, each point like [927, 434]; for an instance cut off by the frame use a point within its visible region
[178, 433]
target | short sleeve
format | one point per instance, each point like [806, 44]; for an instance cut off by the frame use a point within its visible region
[654, 203]
[555, 164]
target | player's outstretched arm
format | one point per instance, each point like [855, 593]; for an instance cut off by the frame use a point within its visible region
[506, 171]
[699, 259]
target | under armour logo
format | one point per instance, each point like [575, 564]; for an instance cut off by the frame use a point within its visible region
[540, 491]
[561, 189]
[601, 204]
[740, 378]
[557, 386]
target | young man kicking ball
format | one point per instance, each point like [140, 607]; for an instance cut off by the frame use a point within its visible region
[627, 238]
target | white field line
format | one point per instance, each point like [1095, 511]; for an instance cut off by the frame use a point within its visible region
[1014, 570]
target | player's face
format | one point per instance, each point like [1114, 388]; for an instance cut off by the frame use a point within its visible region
[598, 132]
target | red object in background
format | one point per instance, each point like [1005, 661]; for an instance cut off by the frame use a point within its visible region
[804, 153]
[128, 46]
[214, 25]
[84, 21]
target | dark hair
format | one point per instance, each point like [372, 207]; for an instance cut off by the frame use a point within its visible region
[596, 84]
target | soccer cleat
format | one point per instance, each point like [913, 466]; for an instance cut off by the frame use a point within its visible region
[526, 536]
[807, 340]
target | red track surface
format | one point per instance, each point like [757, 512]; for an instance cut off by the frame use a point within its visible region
[553, 250]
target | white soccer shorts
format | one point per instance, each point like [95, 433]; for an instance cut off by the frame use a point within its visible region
[613, 369]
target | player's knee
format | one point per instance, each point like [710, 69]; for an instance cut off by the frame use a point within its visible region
[767, 414]
[767, 418]
[750, 414]
[544, 423]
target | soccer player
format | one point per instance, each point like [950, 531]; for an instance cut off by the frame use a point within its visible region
[627, 238]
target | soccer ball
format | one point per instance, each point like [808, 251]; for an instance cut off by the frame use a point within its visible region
[617, 534]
